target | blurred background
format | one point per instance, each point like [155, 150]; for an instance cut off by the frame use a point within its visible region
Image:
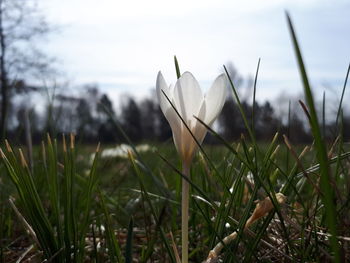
[82, 65]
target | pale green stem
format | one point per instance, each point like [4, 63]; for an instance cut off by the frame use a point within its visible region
[184, 212]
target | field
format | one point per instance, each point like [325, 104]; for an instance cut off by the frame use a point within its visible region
[134, 203]
[249, 201]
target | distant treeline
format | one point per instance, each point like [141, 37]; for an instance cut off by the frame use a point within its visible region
[91, 116]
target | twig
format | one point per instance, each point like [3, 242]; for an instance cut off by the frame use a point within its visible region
[25, 253]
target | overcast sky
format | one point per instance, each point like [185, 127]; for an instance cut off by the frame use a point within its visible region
[121, 45]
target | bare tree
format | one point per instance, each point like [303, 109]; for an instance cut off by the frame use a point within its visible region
[21, 26]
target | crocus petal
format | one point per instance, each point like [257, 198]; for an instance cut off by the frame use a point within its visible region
[188, 97]
[167, 109]
[201, 130]
[188, 100]
[171, 91]
[161, 87]
[177, 140]
[215, 99]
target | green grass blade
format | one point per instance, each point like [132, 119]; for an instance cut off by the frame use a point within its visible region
[328, 193]
[91, 185]
[177, 68]
[342, 94]
[324, 115]
[50, 165]
[254, 94]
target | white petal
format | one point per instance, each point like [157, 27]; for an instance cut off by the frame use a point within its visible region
[168, 110]
[178, 140]
[161, 87]
[189, 144]
[215, 99]
[188, 97]
[200, 129]
[171, 90]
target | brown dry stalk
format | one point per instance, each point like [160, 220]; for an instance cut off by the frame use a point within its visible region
[176, 252]
[43, 151]
[72, 140]
[330, 152]
[291, 149]
[98, 147]
[64, 143]
[25, 223]
[8, 146]
[23, 159]
[262, 209]
[2, 154]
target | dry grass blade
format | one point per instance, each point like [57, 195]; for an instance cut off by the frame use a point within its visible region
[331, 150]
[25, 253]
[53, 256]
[262, 209]
[347, 239]
[291, 149]
[306, 111]
[8, 146]
[72, 141]
[23, 159]
[299, 229]
[176, 252]
[24, 221]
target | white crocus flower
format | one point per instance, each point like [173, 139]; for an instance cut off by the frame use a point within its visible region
[188, 99]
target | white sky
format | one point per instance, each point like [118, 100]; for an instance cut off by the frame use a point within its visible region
[121, 45]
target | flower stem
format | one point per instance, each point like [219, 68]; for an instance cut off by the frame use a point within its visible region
[184, 212]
